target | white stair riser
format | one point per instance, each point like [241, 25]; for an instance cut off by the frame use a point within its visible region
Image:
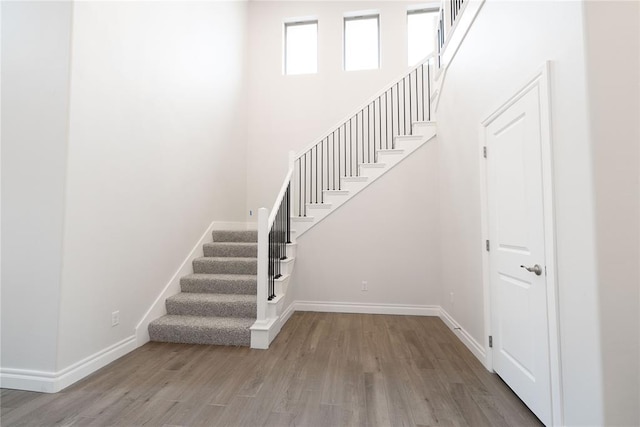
[286, 266]
[291, 250]
[301, 227]
[372, 172]
[407, 144]
[275, 308]
[424, 129]
[281, 285]
[318, 212]
[390, 159]
[336, 199]
[354, 186]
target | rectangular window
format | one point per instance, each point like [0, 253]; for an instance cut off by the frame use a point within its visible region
[421, 30]
[362, 42]
[301, 47]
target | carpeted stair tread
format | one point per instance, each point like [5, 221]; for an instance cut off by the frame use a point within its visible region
[202, 330]
[235, 236]
[219, 283]
[218, 301]
[225, 265]
[231, 249]
[212, 305]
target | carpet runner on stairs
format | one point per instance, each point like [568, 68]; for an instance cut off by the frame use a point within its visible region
[217, 304]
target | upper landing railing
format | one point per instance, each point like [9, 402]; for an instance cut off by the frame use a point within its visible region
[449, 18]
[358, 139]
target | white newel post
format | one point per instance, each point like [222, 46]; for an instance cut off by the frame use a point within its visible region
[263, 264]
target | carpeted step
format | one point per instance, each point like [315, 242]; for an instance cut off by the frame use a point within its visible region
[219, 284]
[201, 330]
[235, 236]
[225, 265]
[231, 249]
[212, 305]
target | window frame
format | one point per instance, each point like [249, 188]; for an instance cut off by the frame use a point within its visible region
[296, 23]
[358, 17]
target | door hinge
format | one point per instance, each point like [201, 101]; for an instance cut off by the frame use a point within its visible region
[488, 246]
[490, 341]
[484, 152]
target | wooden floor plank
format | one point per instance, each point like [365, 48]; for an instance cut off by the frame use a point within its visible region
[322, 370]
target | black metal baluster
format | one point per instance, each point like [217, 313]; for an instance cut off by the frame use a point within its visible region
[299, 187]
[380, 120]
[429, 92]
[404, 106]
[386, 117]
[398, 105]
[368, 135]
[333, 165]
[339, 180]
[356, 144]
[423, 94]
[322, 170]
[362, 137]
[410, 107]
[288, 213]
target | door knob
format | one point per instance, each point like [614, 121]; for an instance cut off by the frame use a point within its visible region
[535, 269]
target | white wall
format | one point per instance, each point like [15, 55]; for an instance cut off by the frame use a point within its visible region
[614, 101]
[487, 69]
[386, 235]
[35, 99]
[156, 152]
[290, 112]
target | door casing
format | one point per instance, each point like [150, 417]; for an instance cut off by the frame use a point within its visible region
[539, 81]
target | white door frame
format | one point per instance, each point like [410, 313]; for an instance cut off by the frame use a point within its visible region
[540, 82]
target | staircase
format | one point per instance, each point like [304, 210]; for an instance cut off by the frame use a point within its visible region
[236, 294]
[367, 172]
[217, 304]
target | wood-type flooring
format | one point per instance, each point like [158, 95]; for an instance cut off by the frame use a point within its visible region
[324, 369]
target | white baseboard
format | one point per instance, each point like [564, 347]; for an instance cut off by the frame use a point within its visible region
[464, 336]
[286, 314]
[53, 382]
[366, 308]
[397, 309]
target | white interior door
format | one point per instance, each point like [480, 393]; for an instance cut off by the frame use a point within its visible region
[517, 268]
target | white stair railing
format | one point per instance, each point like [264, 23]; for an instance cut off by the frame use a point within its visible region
[358, 139]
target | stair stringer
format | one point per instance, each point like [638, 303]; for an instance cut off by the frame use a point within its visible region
[423, 132]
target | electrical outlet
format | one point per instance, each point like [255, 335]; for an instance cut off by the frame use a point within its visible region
[451, 298]
[115, 318]
[365, 286]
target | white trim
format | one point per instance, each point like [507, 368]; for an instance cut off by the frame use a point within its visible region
[541, 80]
[458, 32]
[53, 382]
[287, 313]
[264, 332]
[367, 308]
[158, 308]
[464, 336]
[394, 309]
